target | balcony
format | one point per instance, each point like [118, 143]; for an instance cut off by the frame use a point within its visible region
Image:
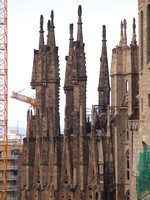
[10, 178]
[10, 188]
[13, 167]
[10, 168]
[9, 158]
[12, 198]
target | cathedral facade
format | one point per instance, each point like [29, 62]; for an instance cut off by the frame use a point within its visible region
[97, 156]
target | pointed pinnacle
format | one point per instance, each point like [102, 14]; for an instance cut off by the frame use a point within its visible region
[41, 41]
[121, 33]
[79, 32]
[71, 31]
[125, 23]
[41, 23]
[79, 10]
[134, 25]
[52, 18]
[134, 34]
[104, 33]
[48, 25]
[125, 32]
[52, 14]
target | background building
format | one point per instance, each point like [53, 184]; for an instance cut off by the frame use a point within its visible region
[15, 145]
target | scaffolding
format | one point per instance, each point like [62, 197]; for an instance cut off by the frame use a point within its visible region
[3, 93]
[143, 181]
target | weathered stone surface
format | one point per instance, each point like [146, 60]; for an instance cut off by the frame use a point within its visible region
[95, 158]
[69, 166]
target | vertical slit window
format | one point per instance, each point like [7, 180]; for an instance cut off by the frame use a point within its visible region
[149, 100]
[96, 196]
[127, 86]
[127, 135]
[142, 104]
[127, 165]
[128, 195]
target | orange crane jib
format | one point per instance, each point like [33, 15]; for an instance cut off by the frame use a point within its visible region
[23, 98]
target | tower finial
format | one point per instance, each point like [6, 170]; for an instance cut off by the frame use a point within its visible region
[103, 87]
[104, 33]
[121, 33]
[51, 34]
[48, 25]
[134, 34]
[52, 14]
[125, 31]
[79, 11]
[79, 34]
[41, 41]
[52, 18]
[71, 31]
[41, 23]
[48, 30]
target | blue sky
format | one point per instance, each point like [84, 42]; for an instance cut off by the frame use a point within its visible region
[23, 38]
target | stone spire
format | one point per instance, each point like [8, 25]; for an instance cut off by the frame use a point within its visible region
[79, 33]
[51, 33]
[79, 77]
[48, 29]
[125, 31]
[69, 59]
[41, 41]
[121, 33]
[104, 87]
[68, 87]
[134, 34]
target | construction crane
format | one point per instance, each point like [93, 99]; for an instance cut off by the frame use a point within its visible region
[3, 95]
[26, 99]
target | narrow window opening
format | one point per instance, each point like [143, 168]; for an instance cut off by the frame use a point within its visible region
[127, 135]
[142, 104]
[128, 175]
[127, 165]
[128, 195]
[149, 100]
[96, 196]
[127, 86]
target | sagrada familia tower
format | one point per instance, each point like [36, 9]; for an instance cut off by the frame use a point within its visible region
[99, 156]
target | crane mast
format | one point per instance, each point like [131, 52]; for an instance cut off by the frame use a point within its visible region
[3, 95]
